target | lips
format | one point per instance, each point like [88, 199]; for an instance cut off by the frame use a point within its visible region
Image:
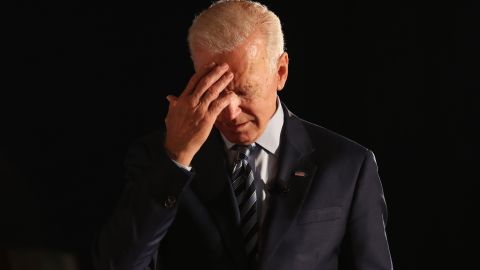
[236, 126]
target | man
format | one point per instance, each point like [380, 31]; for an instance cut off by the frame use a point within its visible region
[236, 181]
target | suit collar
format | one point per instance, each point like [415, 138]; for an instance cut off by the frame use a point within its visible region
[296, 144]
[287, 193]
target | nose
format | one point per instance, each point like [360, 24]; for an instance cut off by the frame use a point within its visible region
[232, 110]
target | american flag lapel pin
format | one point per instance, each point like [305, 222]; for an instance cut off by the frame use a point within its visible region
[300, 173]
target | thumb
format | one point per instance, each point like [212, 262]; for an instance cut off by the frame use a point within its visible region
[172, 99]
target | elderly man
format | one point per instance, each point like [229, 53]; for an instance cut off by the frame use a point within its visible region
[237, 181]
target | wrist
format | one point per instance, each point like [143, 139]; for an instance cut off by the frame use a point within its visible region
[179, 157]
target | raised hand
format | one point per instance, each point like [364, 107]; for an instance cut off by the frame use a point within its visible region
[191, 116]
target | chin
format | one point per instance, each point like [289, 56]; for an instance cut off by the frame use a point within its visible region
[240, 137]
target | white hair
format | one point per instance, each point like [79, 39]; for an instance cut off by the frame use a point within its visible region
[226, 24]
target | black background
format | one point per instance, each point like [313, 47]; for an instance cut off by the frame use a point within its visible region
[86, 79]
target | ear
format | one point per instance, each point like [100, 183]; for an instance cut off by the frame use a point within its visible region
[282, 71]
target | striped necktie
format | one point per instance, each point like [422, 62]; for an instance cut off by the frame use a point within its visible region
[244, 187]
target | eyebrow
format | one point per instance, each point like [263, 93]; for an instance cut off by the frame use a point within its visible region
[249, 90]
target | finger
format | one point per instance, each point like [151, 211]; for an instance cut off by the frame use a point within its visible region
[196, 78]
[217, 106]
[207, 81]
[214, 91]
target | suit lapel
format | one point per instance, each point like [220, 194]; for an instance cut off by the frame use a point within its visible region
[212, 185]
[287, 193]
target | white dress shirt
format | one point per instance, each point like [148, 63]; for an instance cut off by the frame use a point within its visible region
[265, 154]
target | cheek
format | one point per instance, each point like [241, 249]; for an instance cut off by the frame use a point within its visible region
[251, 107]
[260, 112]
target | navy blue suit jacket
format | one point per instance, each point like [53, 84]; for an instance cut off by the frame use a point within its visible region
[331, 216]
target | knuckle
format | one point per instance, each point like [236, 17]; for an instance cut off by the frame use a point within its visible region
[208, 94]
[226, 76]
[199, 111]
[204, 83]
[219, 87]
[213, 105]
[191, 103]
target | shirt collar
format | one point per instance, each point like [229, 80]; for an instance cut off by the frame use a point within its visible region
[270, 138]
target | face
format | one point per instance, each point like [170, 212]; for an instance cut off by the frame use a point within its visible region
[255, 85]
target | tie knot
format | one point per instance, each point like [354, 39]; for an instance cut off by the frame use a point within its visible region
[243, 151]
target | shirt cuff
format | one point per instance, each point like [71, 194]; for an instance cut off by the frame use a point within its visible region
[188, 168]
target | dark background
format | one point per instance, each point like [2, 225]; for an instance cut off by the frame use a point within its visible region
[86, 79]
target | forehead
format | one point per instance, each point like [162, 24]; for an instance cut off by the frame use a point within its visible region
[245, 56]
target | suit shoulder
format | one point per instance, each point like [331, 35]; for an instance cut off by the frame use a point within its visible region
[327, 139]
